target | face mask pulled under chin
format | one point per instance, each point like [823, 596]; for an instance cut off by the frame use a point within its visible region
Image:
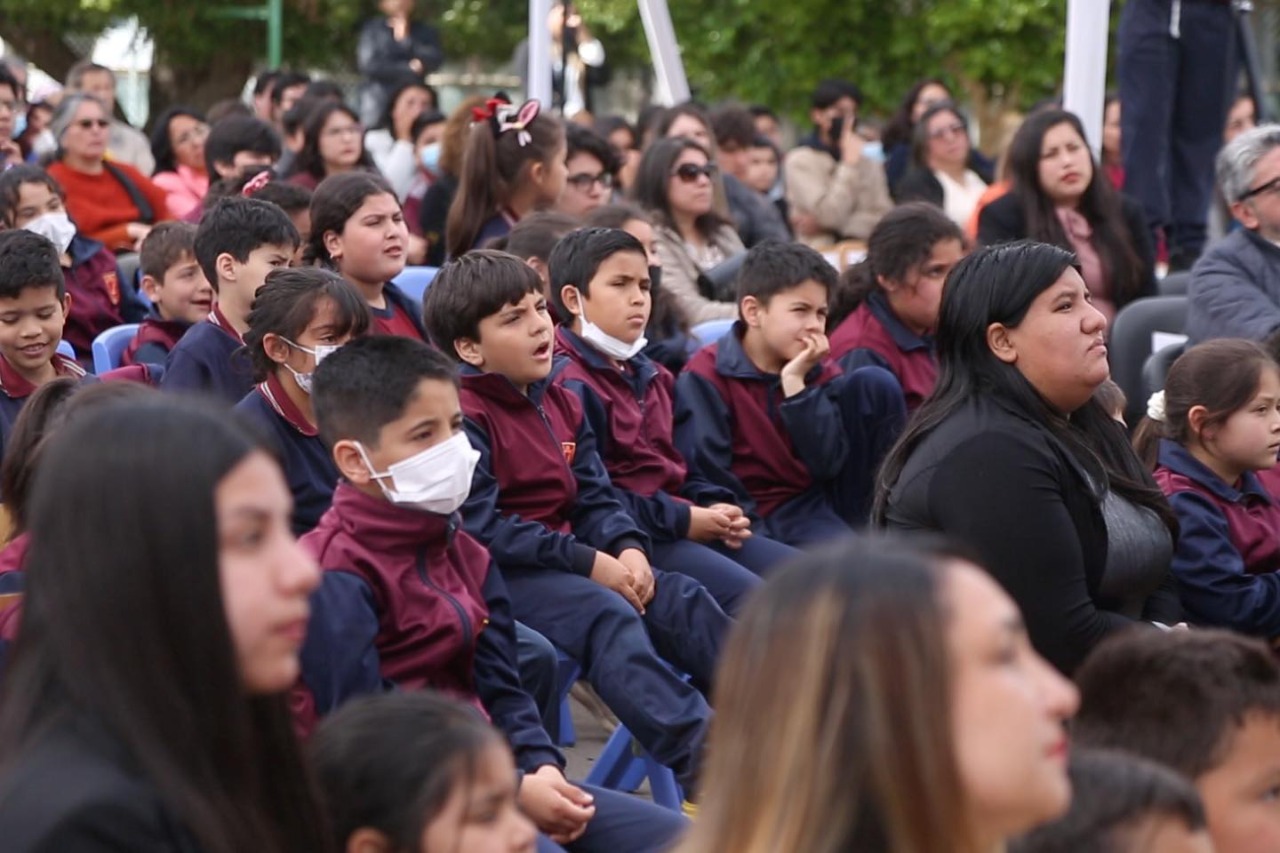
[606, 343]
[437, 480]
[57, 228]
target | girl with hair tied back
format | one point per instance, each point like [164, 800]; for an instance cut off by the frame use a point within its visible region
[1208, 434]
[881, 698]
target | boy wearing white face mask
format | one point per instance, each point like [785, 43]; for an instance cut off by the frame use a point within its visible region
[100, 299]
[600, 285]
[410, 601]
[299, 317]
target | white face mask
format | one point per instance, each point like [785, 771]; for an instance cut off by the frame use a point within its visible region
[436, 480]
[320, 353]
[606, 343]
[57, 228]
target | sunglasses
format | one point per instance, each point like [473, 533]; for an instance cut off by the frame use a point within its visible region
[689, 172]
[86, 123]
[584, 181]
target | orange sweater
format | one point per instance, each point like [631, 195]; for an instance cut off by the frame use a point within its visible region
[100, 205]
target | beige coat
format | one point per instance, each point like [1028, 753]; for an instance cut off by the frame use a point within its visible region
[847, 200]
[680, 274]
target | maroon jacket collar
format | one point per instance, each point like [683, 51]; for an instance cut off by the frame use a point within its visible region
[274, 393]
[17, 386]
[380, 525]
[217, 318]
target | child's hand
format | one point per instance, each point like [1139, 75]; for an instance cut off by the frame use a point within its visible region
[708, 523]
[641, 572]
[739, 525]
[610, 572]
[558, 808]
[793, 373]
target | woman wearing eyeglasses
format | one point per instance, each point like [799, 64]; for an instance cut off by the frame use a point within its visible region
[177, 143]
[333, 143]
[940, 172]
[675, 184]
[110, 202]
[591, 165]
[1060, 196]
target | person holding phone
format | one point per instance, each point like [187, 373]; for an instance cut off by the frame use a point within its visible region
[833, 191]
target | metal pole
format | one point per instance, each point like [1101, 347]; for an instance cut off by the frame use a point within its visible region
[540, 52]
[673, 86]
[1085, 74]
[275, 33]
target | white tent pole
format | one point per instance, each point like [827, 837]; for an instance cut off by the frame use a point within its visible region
[1085, 75]
[673, 86]
[539, 51]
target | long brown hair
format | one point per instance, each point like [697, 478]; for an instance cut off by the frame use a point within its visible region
[833, 731]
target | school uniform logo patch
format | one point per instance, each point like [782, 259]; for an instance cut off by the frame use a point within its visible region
[570, 449]
[112, 282]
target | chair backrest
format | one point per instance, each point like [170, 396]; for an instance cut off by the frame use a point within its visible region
[66, 349]
[1132, 343]
[708, 333]
[110, 345]
[1175, 283]
[1157, 368]
[415, 280]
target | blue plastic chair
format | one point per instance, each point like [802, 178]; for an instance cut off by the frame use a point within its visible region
[66, 349]
[708, 333]
[415, 280]
[110, 345]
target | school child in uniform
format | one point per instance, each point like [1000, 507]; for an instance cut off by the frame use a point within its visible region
[514, 164]
[419, 773]
[358, 230]
[33, 310]
[600, 283]
[884, 310]
[180, 294]
[1215, 425]
[576, 563]
[766, 414]
[411, 601]
[238, 242]
[299, 317]
[100, 300]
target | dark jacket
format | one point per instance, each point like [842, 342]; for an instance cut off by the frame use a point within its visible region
[540, 496]
[921, 184]
[15, 389]
[632, 411]
[1000, 483]
[873, 336]
[1228, 555]
[308, 464]
[1235, 289]
[156, 338]
[433, 215]
[409, 601]
[1003, 220]
[210, 360]
[75, 789]
[99, 299]
[735, 430]
[755, 217]
[897, 164]
[383, 62]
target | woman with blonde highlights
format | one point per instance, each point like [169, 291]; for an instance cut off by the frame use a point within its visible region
[884, 699]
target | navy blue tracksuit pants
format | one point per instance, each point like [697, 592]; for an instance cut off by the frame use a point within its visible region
[625, 656]
[729, 574]
[623, 824]
[1175, 91]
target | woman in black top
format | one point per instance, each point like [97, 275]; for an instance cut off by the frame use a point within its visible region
[1012, 455]
[144, 706]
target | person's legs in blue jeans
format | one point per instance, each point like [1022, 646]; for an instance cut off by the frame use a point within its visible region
[1146, 66]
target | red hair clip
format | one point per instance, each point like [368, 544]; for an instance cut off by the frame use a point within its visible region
[258, 181]
[489, 111]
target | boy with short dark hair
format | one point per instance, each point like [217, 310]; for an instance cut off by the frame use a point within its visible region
[238, 144]
[410, 601]
[600, 285]
[33, 310]
[576, 563]
[1206, 704]
[766, 414]
[238, 242]
[180, 294]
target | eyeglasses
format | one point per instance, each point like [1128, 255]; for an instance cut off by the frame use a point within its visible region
[690, 172]
[1272, 187]
[949, 130]
[349, 130]
[584, 181]
[87, 123]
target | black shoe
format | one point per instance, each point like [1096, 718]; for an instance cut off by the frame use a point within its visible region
[1181, 260]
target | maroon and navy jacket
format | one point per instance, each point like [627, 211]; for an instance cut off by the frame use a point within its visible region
[15, 389]
[735, 429]
[408, 601]
[99, 299]
[402, 316]
[308, 465]
[873, 336]
[631, 410]
[155, 339]
[210, 359]
[540, 496]
[1228, 552]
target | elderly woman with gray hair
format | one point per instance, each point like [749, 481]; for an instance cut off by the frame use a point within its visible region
[110, 202]
[1235, 286]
